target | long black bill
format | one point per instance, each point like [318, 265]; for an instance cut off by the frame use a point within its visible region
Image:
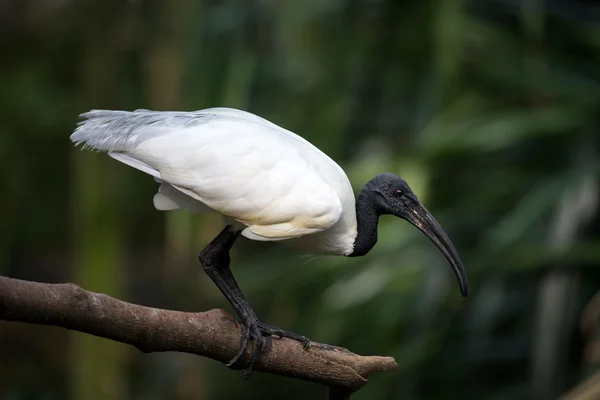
[422, 219]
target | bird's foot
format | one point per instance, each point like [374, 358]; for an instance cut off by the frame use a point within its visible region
[262, 336]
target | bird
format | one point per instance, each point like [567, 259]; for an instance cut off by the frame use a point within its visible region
[269, 183]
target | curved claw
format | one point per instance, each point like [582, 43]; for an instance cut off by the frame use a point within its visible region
[258, 345]
[268, 344]
[243, 345]
[306, 344]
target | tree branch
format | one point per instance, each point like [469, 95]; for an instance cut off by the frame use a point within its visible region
[214, 334]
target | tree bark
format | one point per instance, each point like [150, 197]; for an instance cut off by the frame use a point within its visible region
[213, 334]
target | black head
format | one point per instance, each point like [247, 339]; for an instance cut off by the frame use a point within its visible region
[392, 195]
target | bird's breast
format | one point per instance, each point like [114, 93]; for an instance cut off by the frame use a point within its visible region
[337, 240]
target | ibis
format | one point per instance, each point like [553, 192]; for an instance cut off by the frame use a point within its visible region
[269, 183]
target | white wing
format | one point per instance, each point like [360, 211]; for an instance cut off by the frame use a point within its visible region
[234, 162]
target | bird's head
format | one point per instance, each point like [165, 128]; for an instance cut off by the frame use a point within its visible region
[391, 194]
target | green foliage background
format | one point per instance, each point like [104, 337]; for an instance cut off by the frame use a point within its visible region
[488, 108]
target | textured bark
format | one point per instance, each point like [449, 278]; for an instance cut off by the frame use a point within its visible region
[214, 334]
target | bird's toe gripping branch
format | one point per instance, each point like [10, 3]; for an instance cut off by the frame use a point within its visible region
[261, 335]
[270, 330]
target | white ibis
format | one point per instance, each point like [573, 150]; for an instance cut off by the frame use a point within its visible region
[270, 183]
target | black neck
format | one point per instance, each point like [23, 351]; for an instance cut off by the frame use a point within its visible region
[367, 217]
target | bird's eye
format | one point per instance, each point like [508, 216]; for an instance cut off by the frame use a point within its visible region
[397, 192]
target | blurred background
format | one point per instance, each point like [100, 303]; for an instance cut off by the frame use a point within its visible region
[488, 108]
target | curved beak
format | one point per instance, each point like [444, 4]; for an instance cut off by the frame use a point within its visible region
[420, 217]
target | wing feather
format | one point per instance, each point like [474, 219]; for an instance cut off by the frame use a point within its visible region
[231, 161]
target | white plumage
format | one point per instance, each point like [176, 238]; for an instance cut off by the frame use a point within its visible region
[273, 182]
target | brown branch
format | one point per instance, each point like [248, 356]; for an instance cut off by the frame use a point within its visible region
[214, 334]
[589, 389]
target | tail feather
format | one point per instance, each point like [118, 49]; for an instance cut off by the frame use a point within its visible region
[102, 130]
[108, 130]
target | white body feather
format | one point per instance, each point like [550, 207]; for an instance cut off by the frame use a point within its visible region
[275, 183]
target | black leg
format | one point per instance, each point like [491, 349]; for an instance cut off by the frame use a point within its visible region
[266, 329]
[215, 262]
